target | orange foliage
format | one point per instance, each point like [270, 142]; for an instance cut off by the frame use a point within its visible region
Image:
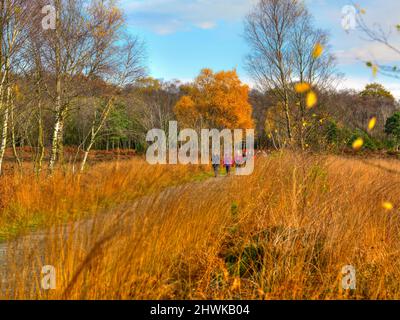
[215, 100]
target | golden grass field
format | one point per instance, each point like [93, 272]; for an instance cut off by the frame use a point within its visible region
[132, 231]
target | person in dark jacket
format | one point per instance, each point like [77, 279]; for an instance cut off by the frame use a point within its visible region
[216, 162]
[228, 163]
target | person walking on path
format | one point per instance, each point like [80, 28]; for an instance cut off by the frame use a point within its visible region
[216, 162]
[228, 163]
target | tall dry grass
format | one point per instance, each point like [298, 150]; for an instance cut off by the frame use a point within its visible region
[284, 232]
[30, 202]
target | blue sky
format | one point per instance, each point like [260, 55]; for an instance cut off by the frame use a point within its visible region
[184, 36]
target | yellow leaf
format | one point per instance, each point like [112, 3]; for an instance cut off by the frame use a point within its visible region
[360, 9]
[372, 123]
[357, 145]
[375, 70]
[387, 205]
[302, 87]
[318, 49]
[311, 99]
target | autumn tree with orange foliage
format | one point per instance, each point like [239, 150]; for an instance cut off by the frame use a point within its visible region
[215, 100]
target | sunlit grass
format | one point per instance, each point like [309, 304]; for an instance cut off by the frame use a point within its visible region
[284, 232]
[29, 202]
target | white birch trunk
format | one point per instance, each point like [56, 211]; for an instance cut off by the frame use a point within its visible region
[95, 131]
[55, 142]
[58, 107]
[4, 132]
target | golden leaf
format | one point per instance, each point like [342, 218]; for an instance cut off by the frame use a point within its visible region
[302, 87]
[360, 9]
[375, 70]
[318, 50]
[372, 123]
[387, 205]
[357, 145]
[311, 99]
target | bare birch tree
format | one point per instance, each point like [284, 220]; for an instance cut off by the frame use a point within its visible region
[13, 21]
[282, 39]
[268, 31]
[319, 73]
[125, 67]
[76, 51]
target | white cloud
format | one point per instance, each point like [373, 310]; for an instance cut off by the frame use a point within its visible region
[168, 16]
[206, 25]
[367, 51]
[358, 83]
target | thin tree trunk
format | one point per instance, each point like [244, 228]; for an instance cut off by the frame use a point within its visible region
[54, 143]
[58, 107]
[273, 142]
[11, 104]
[3, 139]
[87, 150]
[286, 97]
[40, 139]
[60, 142]
[95, 131]
[4, 132]
[288, 120]
[39, 162]
[302, 118]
